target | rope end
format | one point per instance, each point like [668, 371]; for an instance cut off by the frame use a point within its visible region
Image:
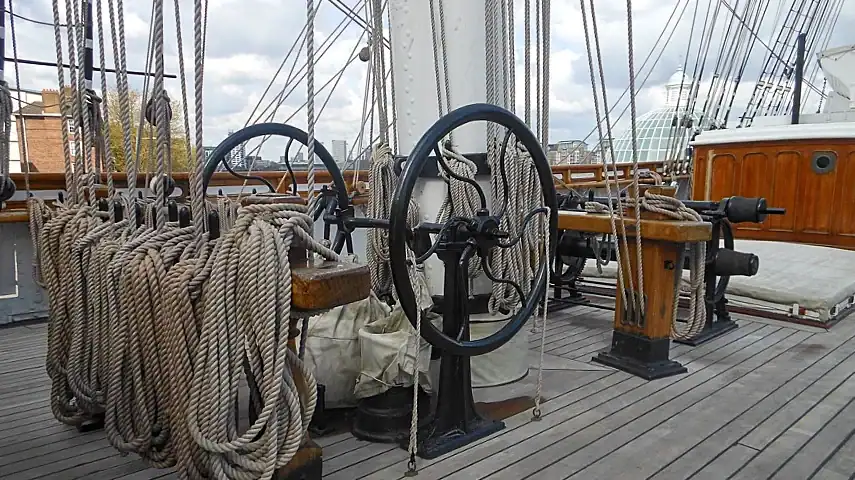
[412, 469]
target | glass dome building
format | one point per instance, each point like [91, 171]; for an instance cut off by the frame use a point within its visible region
[658, 134]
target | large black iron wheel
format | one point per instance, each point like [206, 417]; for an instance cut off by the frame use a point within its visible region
[722, 233]
[568, 268]
[334, 201]
[478, 230]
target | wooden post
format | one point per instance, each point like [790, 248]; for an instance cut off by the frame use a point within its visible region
[307, 463]
[641, 343]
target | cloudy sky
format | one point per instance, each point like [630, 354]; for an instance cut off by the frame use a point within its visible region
[247, 40]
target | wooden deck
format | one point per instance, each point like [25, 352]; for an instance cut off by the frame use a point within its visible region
[764, 401]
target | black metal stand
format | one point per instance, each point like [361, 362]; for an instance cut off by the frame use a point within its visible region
[455, 422]
[720, 262]
[385, 418]
[641, 356]
[92, 423]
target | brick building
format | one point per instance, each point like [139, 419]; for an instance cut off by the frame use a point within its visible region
[38, 132]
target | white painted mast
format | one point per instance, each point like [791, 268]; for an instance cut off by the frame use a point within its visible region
[413, 42]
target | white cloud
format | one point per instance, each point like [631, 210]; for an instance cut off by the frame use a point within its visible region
[247, 39]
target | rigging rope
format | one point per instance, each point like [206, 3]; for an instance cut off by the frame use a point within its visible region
[622, 238]
[310, 95]
[619, 254]
[635, 186]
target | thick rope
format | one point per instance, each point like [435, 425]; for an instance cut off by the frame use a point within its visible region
[382, 179]
[138, 415]
[198, 204]
[184, 285]
[162, 119]
[634, 136]
[462, 199]
[674, 208]
[627, 286]
[246, 320]
[310, 106]
[63, 104]
[60, 233]
[593, 207]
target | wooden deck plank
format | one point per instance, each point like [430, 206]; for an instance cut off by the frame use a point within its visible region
[559, 410]
[772, 458]
[811, 458]
[394, 466]
[601, 423]
[753, 409]
[62, 460]
[618, 423]
[765, 433]
[129, 467]
[842, 461]
[569, 350]
[726, 464]
[671, 438]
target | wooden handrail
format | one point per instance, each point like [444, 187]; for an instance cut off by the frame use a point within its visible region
[567, 176]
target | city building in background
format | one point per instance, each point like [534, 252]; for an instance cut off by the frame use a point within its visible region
[599, 152]
[566, 152]
[339, 151]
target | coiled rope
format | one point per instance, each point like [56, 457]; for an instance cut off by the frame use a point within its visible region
[674, 208]
[382, 179]
[246, 319]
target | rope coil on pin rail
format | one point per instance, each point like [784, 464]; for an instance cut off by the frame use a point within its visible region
[674, 208]
[256, 249]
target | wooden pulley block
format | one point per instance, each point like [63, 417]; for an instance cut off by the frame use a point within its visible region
[322, 285]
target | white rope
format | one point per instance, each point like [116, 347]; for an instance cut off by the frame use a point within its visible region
[379, 70]
[245, 320]
[382, 179]
[622, 252]
[544, 240]
[415, 271]
[544, 95]
[63, 104]
[120, 58]
[635, 185]
[674, 208]
[310, 97]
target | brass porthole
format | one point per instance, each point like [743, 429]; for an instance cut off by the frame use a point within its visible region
[823, 162]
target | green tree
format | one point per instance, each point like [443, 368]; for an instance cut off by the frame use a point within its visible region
[148, 145]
